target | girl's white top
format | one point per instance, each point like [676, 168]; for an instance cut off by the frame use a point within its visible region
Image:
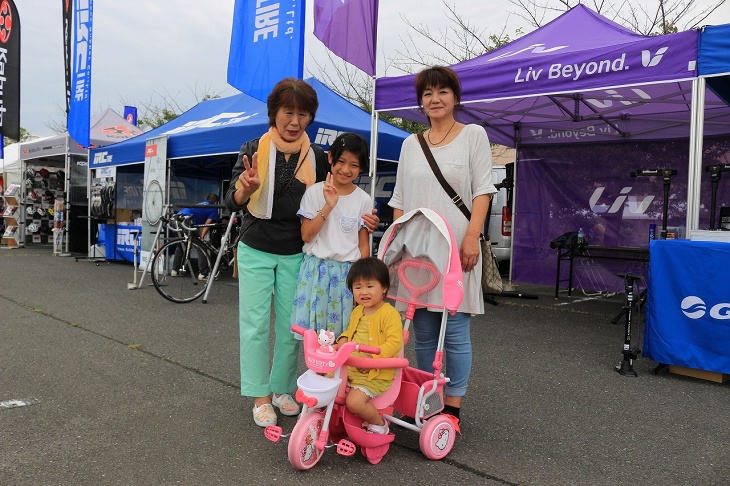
[338, 238]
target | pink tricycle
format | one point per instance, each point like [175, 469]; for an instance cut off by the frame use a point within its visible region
[325, 419]
[424, 264]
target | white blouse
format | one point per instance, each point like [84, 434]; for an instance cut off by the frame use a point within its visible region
[466, 163]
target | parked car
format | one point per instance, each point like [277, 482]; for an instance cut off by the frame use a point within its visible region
[499, 220]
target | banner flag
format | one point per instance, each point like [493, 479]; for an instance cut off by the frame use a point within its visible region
[267, 44]
[9, 70]
[349, 28]
[67, 24]
[79, 115]
[130, 114]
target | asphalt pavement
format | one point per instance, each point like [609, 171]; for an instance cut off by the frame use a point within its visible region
[104, 385]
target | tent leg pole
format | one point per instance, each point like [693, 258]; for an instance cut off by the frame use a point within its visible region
[695, 155]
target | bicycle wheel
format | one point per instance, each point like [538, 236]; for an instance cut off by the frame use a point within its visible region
[179, 285]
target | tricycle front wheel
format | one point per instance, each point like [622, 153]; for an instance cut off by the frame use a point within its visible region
[302, 451]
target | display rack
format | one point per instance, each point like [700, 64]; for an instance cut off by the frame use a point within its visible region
[12, 216]
[35, 197]
[102, 204]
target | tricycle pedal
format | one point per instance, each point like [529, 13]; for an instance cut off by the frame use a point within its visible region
[346, 448]
[273, 433]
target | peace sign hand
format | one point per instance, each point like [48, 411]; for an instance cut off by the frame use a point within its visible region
[331, 196]
[249, 178]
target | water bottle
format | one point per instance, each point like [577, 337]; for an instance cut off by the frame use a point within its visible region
[581, 237]
[652, 232]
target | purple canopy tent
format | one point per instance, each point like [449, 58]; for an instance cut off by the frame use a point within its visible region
[579, 79]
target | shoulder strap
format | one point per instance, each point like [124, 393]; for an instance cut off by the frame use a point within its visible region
[455, 198]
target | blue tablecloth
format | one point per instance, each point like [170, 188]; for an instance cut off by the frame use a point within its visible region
[688, 304]
[118, 241]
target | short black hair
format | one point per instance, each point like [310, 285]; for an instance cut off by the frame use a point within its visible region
[368, 268]
[353, 143]
[437, 77]
[213, 197]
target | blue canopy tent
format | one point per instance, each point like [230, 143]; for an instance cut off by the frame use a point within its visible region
[202, 145]
[220, 126]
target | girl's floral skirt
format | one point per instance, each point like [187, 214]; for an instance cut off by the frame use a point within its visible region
[322, 299]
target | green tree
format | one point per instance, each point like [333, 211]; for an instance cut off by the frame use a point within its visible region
[162, 107]
[24, 137]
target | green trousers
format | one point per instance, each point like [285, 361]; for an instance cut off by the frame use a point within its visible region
[262, 276]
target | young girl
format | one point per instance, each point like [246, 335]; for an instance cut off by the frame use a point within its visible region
[334, 236]
[375, 323]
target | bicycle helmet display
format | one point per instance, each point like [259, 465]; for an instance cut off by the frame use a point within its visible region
[107, 199]
[44, 173]
[61, 178]
[41, 212]
[30, 172]
[30, 210]
[33, 228]
[29, 183]
[32, 195]
[50, 211]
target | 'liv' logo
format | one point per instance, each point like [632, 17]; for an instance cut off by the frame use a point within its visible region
[648, 61]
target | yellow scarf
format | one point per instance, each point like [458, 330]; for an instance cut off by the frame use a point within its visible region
[261, 201]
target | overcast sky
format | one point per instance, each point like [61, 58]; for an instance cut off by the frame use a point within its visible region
[179, 48]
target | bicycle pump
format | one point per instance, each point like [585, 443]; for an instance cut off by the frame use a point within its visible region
[626, 366]
[666, 175]
[715, 176]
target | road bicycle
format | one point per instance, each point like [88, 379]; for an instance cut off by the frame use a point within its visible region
[182, 285]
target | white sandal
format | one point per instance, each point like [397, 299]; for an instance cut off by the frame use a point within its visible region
[286, 404]
[264, 415]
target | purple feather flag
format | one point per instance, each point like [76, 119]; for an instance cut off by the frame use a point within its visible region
[349, 28]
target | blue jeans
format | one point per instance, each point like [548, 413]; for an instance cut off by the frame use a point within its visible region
[457, 347]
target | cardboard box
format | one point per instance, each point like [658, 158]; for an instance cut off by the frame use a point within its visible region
[701, 374]
[123, 215]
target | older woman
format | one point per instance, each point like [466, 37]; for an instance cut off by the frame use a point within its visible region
[463, 155]
[271, 176]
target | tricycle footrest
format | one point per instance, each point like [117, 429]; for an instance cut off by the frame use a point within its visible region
[346, 448]
[273, 433]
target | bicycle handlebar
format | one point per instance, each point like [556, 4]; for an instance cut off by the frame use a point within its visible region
[183, 219]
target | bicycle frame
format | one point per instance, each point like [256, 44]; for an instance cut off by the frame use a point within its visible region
[188, 233]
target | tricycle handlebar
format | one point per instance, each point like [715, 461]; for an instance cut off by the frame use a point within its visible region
[320, 359]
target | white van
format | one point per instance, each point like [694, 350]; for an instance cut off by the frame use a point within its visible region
[499, 221]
